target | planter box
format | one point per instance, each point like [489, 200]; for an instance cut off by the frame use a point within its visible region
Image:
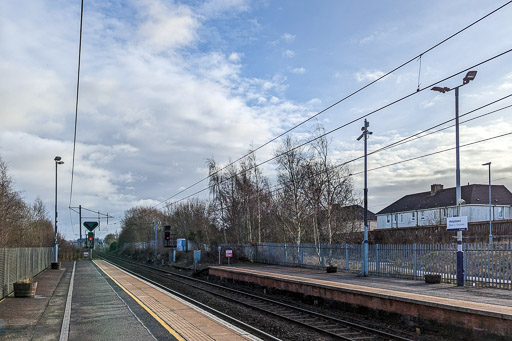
[331, 269]
[432, 279]
[25, 289]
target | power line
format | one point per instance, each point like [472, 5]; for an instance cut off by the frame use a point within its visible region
[344, 125]
[392, 145]
[76, 102]
[339, 101]
[400, 162]
[437, 152]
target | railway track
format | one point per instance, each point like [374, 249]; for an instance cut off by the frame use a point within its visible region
[331, 327]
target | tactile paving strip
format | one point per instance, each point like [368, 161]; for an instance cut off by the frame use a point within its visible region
[187, 322]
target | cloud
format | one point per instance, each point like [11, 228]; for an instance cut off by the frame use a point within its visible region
[298, 70]
[288, 53]
[377, 35]
[166, 26]
[368, 75]
[288, 37]
[215, 8]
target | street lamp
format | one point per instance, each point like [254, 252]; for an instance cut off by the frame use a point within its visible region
[490, 203]
[460, 255]
[56, 253]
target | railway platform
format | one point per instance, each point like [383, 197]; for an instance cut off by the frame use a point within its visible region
[474, 312]
[94, 300]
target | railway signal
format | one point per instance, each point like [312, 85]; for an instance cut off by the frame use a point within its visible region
[167, 238]
[90, 239]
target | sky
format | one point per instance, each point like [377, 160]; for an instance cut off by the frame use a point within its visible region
[165, 85]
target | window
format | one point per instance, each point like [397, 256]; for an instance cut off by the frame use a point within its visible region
[443, 212]
[388, 218]
[500, 212]
[435, 214]
[413, 216]
[401, 218]
[422, 215]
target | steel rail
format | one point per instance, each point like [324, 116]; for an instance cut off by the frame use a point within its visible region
[305, 317]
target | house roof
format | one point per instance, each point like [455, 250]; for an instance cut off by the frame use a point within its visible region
[471, 194]
[357, 211]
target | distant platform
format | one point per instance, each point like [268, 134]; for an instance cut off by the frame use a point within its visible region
[477, 310]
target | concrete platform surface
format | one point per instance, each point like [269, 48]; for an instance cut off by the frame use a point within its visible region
[94, 300]
[38, 318]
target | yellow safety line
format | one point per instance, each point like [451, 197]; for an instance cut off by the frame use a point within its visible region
[156, 317]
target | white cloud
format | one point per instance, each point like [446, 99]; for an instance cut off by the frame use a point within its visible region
[377, 35]
[166, 27]
[214, 8]
[288, 37]
[368, 75]
[298, 70]
[288, 53]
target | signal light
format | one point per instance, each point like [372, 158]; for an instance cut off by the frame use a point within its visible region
[167, 238]
[90, 239]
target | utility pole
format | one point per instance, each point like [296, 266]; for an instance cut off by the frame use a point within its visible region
[365, 214]
[80, 225]
[156, 240]
[490, 203]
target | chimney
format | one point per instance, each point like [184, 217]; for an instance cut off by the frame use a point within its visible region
[435, 188]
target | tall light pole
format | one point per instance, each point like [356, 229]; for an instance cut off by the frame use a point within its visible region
[365, 214]
[56, 253]
[490, 203]
[460, 254]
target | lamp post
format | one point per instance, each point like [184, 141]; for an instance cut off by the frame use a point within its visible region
[56, 253]
[365, 215]
[490, 203]
[460, 254]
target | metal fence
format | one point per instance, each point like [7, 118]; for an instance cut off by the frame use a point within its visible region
[21, 263]
[485, 265]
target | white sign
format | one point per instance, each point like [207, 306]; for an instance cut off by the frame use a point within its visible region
[229, 253]
[457, 223]
[86, 254]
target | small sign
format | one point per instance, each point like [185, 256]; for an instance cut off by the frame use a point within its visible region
[90, 225]
[197, 255]
[229, 253]
[86, 254]
[457, 223]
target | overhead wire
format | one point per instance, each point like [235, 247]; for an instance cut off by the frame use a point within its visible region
[397, 143]
[276, 189]
[339, 101]
[76, 101]
[348, 123]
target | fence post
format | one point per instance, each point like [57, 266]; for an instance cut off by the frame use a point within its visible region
[301, 255]
[322, 255]
[346, 258]
[415, 268]
[377, 260]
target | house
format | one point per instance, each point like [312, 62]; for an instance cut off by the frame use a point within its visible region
[353, 216]
[433, 207]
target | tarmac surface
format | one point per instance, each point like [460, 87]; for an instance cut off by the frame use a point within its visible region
[100, 310]
[94, 300]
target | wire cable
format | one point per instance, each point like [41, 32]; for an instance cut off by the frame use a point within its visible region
[400, 162]
[338, 102]
[344, 125]
[76, 102]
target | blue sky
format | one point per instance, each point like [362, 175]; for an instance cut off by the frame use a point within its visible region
[167, 84]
